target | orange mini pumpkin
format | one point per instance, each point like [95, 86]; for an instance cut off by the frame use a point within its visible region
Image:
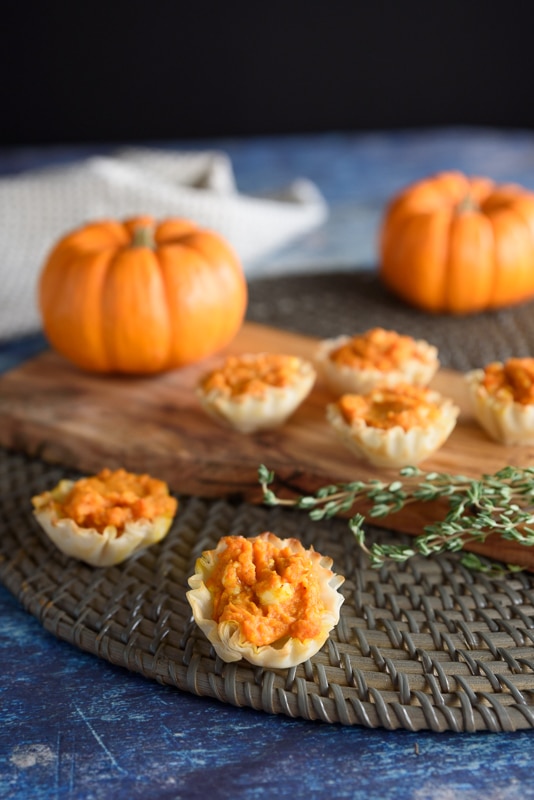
[141, 297]
[457, 245]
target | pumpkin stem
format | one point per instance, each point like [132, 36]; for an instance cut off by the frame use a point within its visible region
[467, 203]
[143, 236]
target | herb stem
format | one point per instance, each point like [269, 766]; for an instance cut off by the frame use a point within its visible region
[501, 503]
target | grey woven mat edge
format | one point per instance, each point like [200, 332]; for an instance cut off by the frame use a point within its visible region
[426, 646]
[330, 304]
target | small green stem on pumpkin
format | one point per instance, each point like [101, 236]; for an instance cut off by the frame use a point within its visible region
[467, 203]
[143, 236]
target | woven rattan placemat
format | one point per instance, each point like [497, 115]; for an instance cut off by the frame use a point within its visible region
[351, 302]
[425, 645]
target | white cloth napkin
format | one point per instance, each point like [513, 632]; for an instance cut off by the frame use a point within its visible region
[39, 206]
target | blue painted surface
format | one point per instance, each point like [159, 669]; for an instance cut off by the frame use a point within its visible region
[74, 726]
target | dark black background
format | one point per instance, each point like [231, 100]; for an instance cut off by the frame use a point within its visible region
[81, 72]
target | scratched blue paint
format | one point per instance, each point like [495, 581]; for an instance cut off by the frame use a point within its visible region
[74, 726]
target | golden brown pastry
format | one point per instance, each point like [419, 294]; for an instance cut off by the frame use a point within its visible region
[502, 397]
[265, 599]
[378, 357]
[105, 518]
[256, 391]
[393, 426]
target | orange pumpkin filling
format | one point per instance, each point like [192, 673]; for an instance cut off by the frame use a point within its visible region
[271, 593]
[253, 376]
[406, 406]
[116, 498]
[513, 380]
[376, 349]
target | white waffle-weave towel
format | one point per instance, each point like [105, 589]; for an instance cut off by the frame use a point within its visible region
[37, 207]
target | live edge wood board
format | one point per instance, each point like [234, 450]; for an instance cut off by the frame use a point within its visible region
[51, 409]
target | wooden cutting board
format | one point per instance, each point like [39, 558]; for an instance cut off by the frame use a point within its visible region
[51, 409]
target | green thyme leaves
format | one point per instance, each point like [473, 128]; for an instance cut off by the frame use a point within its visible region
[475, 508]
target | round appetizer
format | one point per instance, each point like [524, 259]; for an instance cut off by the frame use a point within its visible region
[357, 364]
[393, 426]
[105, 518]
[256, 392]
[265, 599]
[502, 396]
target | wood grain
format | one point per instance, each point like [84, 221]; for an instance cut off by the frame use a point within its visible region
[51, 409]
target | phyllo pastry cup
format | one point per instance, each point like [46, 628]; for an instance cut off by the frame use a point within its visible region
[265, 599]
[357, 364]
[104, 519]
[394, 426]
[502, 398]
[254, 392]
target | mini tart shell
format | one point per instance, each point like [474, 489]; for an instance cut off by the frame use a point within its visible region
[99, 549]
[504, 420]
[395, 447]
[248, 413]
[343, 379]
[226, 638]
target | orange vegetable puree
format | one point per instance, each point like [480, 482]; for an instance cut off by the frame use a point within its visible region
[115, 498]
[513, 380]
[252, 376]
[270, 592]
[405, 405]
[376, 349]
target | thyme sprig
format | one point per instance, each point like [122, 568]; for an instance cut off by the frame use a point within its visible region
[499, 503]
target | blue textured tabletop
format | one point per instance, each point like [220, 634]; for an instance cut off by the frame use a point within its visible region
[74, 726]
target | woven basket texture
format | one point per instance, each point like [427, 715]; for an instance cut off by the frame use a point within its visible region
[425, 645]
[422, 645]
[351, 302]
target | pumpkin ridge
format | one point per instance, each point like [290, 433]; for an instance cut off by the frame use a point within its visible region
[218, 332]
[197, 240]
[104, 326]
[137, 344]
[443, 263]
[95, 236]
[72, 320]
[520, 277]
[467, 282]
[106, 365]
[174, 231]
[168, 364]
